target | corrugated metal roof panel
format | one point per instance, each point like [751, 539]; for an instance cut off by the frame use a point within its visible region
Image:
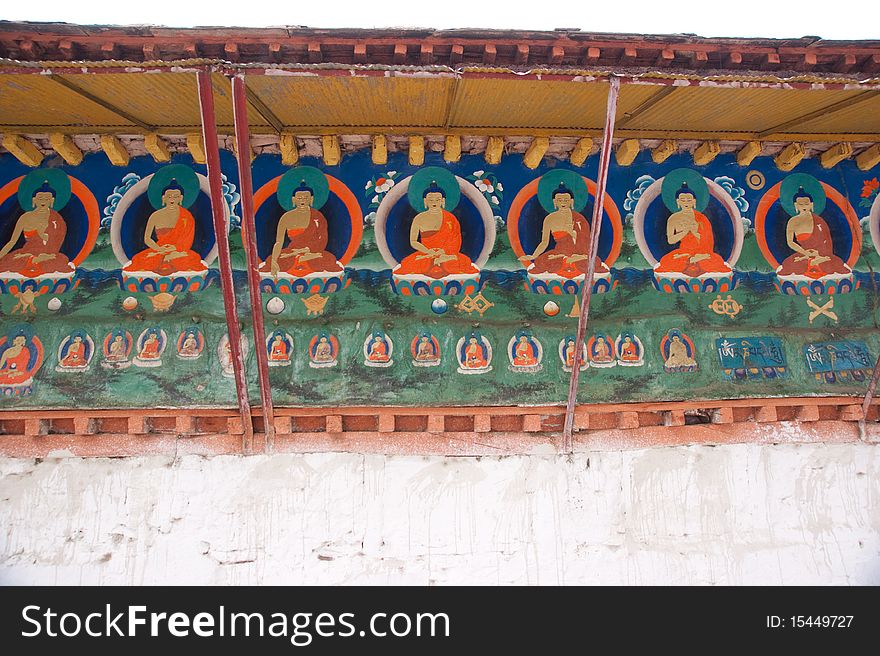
[863, 118]
[304, 101]
[36, 100]
[714, 109]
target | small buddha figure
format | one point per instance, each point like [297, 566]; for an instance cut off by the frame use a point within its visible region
[278, 349]
[14, 362]
[602, 352]
[151, 347]
[524, 353]
[377, 351]
[678, 357]
[76, 354]
[629, 352]
[809, 236]
[168, 237]
[323, 350]
[425, 350]
[116, 351]
[435, 236]
[224, 352]
[570, 352]
[43, 230]
[571, 232]
[692, 231]
[190, 346]
[473, 354]
[306, 229]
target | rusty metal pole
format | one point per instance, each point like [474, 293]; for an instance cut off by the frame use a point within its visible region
[249, 241]
[212, 152]
[598, 201]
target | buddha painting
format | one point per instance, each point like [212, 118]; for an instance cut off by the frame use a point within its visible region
[691, 239]
[33, 249]
[425, 350]
[601, 351]
[629, 350]
[524, 352]
[437, 244]
[224, 354]
[190, 344]
[21, 354]
[117, 349]
[323, 351]
[568, 353]
[171, 228]
[378, 349]
[474, 354]
[678, 352]
[278, 346]
[812, 254]
[151, 344]
[300, 246]
[75, 352]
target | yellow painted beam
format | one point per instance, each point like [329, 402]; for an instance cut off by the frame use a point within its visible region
[626, 151]
[416, 151]
[157, 147]
[380, 149]
[289, 149]
[64, 146]
[332, 152]
[115, 151]
[869, 158]
[452, 148]
[836, 154]
[536, 151]
[22, 149]
[790, 156]
[663, 151]
[581, 151]
[706, 152]
[494, 150]
[196, 145]
[747, 153]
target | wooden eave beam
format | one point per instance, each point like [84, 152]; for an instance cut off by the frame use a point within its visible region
[657, 97]
[263, 110]
[100, 101]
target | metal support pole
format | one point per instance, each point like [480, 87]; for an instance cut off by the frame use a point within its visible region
[212, 152]
[872, 387]
[249, 241]
[598, 201]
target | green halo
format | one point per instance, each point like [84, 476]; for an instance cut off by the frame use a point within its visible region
[811, 185]
[672, 182]
[423, 178]
[550, 182]
[56, 178]
[314, 179]
[184, 176]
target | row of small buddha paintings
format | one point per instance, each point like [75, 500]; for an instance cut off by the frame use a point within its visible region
[22, 354]
[434, 230]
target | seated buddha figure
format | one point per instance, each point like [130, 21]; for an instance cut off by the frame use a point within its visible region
[168, 237]
[76, 354]
[678, 357]
[435, 236]
[571, 234]
[629, 352]
[306, 229]
[278, 348]
[524, 353]
[377, 351]
[692, 231]
[473, 354]
[809, 236]
[14, 362]
[151, 347]
[425, 351]
[43, 230]
[323, 350]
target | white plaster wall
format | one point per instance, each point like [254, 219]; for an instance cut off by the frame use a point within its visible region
[785, 514]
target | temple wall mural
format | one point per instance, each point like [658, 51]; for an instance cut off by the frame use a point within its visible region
[446, 283]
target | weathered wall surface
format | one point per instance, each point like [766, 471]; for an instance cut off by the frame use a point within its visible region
[743, 514]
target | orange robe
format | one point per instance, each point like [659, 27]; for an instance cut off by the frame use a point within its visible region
[15, 369]
[569, 356]
[181, 236]
[75, 356]
[691, 245]
[448, 239]
[378, 352]
[279, 351]
[314, 237]
[150, 350]
[33, 245]
[524, 355]
[629, 352]
[567, 246]
[819, 240]
[473, 357]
